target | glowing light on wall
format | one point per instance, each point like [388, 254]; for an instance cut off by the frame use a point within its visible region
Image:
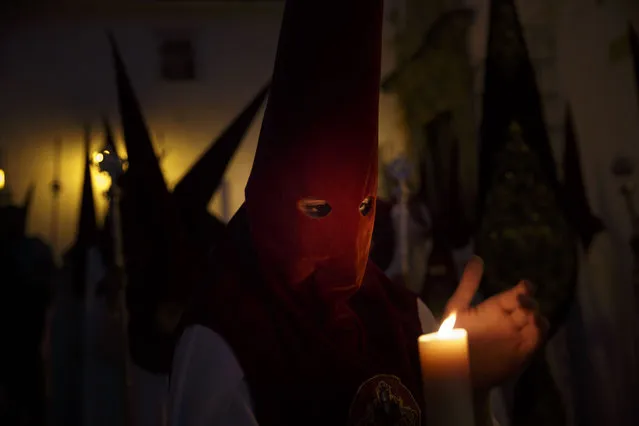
[1, 179]
[101, 181]
[98, 157]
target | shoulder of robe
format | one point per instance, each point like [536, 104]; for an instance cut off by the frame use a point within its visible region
[209, 357]
[426, 318]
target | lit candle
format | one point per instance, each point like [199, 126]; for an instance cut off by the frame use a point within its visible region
[446, 376]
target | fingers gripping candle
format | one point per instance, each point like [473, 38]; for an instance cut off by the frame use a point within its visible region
[446, 376]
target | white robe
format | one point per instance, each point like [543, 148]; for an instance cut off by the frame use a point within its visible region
[207, 384]
[587, 355]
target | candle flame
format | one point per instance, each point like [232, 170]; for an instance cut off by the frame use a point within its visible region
[448, 323]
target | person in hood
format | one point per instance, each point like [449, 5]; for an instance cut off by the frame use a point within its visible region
[26, 272]
[295, 325]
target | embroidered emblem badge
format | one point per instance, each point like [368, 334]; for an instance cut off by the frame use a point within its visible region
[383, 400]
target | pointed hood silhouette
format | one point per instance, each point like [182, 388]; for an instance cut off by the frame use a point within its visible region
[87, 225]
[147, 212]
[148, 216]
[165, 236]
[450, 229]
[522, 226]
[425, 195]
[383, 240]
[14, 217]
[578, 209]
[25, 209]
[158, 259]
[460, 229]
[140, 153]
[28, 200]
[105, 237]
[105, 232]
[438, 134]
[510, 95]
[109, 141]
[444, 196]
[194, 191]
[87, 231]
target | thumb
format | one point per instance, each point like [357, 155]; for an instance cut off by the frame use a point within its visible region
[467, 287]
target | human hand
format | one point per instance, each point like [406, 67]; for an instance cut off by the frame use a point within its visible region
[503, 332]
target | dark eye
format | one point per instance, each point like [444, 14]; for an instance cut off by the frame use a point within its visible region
[315, 208]
[366, 206]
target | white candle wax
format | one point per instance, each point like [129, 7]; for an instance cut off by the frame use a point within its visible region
[446, 376]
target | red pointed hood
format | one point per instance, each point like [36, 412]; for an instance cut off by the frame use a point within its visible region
[310, 213]
[319, 144]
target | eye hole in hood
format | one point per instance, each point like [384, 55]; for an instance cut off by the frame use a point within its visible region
[314, 208]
